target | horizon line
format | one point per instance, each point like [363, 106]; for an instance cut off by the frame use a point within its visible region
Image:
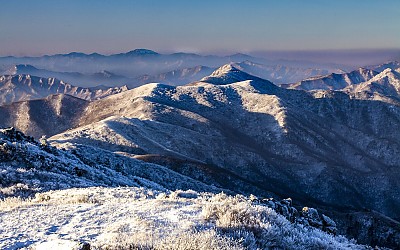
[214, 53]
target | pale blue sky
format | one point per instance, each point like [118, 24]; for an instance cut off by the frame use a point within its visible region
[35, 27]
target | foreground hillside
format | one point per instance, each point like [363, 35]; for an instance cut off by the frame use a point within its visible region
[137, 218]
[28, 166]
[382, 83]
[146, 215]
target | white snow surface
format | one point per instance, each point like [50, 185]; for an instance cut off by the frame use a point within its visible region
[92, 214]
[103, 217]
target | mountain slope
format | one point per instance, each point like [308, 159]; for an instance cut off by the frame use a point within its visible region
[15, 88]
[49, 116]
[38, 167]
[269, 135]
[80, 79]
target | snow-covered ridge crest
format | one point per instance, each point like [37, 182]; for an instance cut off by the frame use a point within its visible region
[334, 81]
[385, 84]
[228, 74]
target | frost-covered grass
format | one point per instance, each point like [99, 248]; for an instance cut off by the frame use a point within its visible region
[141, 218]
[260, 227]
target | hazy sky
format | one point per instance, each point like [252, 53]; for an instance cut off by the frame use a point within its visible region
[35, 27]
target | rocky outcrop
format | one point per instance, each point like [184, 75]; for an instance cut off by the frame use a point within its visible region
[307, 216]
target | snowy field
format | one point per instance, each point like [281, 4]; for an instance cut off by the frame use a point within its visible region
[139, 218]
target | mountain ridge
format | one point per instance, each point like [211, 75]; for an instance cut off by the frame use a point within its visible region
[26, 87]
[81, 79]
[334, 81]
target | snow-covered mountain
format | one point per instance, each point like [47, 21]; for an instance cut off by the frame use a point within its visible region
[386, 84]
[227, 74]
[255, 121]
[325, 149]
[48, 116]
[334, 81]
[15, 88]
[47, 168]
[277, 139]
[80, 79]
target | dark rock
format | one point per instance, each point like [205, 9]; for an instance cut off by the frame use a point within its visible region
[307, 217]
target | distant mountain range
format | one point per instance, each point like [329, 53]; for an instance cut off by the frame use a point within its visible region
[379, 84]
[280, 74]
[132, 68]
[14, 88]
[277, 74]
[132, 64]
[334, 81]
[93, 79]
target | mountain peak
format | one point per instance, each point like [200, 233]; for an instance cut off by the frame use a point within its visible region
[226, 74]
[230, 73]
[139, 52]
[226, 69]
[75, 54]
